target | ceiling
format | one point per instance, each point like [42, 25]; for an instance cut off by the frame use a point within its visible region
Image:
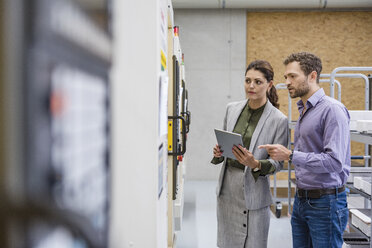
[273, 4]
[94, 4]
[250, 4]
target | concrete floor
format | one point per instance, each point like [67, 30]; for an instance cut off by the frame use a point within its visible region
[199, 227]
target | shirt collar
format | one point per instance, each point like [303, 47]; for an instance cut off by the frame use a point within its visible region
[313, 100]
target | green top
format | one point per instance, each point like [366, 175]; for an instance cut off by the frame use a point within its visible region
[246, 125]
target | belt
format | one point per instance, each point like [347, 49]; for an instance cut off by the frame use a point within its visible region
[317, 193]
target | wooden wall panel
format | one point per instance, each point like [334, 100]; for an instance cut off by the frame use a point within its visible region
[338, 38]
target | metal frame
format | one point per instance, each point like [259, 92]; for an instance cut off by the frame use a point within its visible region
[329, 81]
[367, 139]
[282, 86]
[345, 68]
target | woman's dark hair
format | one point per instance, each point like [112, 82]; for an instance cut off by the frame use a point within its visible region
[267, 70]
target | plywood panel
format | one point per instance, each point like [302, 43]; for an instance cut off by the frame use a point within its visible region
[338, 38]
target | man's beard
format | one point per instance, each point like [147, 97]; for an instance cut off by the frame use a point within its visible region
[302, 90]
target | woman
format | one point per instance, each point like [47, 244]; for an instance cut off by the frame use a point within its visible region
[243, 193]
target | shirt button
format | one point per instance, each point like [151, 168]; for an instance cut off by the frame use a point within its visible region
[244, 225]
[245, 212]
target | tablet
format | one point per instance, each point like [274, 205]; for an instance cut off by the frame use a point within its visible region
[226, 140]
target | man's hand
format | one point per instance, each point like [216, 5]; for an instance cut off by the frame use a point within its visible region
[245, 157]
[277, 152]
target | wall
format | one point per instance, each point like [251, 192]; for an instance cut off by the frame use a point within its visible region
[338, 38]
[213, 42]
[135, 210]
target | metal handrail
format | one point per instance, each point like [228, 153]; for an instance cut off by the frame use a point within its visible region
[338, 86]
[352, 75]
[345, 68]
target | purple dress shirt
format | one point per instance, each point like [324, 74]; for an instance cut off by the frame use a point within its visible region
[322, 143]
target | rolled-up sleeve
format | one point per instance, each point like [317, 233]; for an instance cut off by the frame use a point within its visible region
[216, 160]
[266, 169]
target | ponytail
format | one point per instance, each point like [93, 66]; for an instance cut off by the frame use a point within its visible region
[273, 97]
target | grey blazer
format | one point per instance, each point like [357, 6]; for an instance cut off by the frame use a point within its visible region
[272, 128]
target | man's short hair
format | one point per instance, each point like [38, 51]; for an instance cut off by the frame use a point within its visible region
[308, 62]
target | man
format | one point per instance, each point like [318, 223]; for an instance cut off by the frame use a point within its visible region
[321, 157]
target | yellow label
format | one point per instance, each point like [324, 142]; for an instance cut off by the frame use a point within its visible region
[181, 122]
[163, 60]
[170, 135]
